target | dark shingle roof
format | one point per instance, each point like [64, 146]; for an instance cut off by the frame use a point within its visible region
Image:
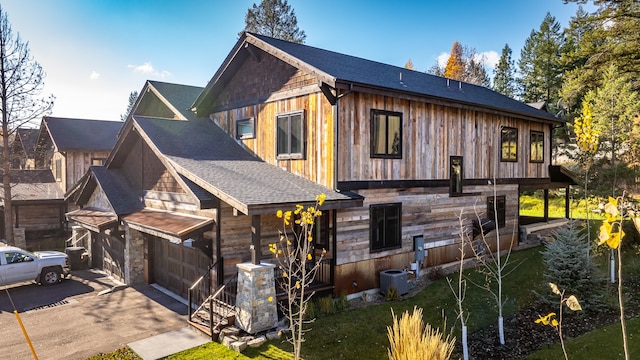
[34, 185]
[199, 149]
[122, 198]
[358, 71]
[82, 134]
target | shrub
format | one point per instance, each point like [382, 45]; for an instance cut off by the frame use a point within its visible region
[310, 312]
[342, 302]
[568, 266]
[410, 339]
[392, 294]
[326, 305]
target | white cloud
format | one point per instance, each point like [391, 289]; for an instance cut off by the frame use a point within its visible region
[442, 59]
[490, 58]
[94, 75]
[147, 68]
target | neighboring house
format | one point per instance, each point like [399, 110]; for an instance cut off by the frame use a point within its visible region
[70, 146]
[23, 149]
[401, 155]
[37, 202]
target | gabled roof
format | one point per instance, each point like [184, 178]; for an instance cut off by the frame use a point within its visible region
[203, 153]
[121, 198]
[28, 138]
[333, 68]
[81, 134]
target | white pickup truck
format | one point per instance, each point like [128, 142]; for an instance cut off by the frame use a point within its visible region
[44, 267]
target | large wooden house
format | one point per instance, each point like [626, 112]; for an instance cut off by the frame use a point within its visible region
[400, 154]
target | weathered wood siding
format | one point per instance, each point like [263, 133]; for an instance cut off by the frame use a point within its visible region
[145, 171]
[432, 133]
[429, 212]
[39, 217]
[76, 164]
[278, 88]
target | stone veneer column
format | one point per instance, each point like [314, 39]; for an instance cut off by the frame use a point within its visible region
[133, 256]
[19, 237]
[256, 284]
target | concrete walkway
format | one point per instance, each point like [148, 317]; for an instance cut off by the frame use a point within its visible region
[160, 346]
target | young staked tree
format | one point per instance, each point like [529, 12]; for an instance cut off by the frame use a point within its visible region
[298, 265]
[21, 85]
[133, 96]
[504, 79]
[274, 18]
[461, 291]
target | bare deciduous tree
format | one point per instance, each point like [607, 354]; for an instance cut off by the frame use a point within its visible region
[21, 86]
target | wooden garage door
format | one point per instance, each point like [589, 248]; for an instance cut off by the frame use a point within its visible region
[177, 267]
[108, 255]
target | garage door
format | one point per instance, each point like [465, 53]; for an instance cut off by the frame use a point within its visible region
[107, 253]
[176, 267]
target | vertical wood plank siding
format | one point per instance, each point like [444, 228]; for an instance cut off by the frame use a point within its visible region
[432, 133]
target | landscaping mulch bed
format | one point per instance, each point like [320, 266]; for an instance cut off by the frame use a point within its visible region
[522, 335]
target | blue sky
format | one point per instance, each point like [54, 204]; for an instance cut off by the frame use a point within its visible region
[95, 52]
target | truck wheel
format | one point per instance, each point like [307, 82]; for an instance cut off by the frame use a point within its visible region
[50, 276]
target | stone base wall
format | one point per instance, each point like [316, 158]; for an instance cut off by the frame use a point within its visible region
[256, 299]
[133, 257]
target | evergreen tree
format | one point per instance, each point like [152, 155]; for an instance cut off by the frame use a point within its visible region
[567, 266]
[133, 96]
[504, 80]
[464, 64]
[274, 18]
[540, 66]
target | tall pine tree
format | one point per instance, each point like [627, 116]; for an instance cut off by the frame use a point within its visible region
[274, 18]
[540, 66]
[455, 68]
[504, 80]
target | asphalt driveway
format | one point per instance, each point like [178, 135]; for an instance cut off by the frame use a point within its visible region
[83, 316]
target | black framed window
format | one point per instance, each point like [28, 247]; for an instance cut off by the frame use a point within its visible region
[537, 146]
[385, 226]
[509, 144]
[290, 136]
[455, 175]
[386, 134]
[245, 129]
[500, 208]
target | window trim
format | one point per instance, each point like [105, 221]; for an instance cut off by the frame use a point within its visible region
[385, 221]
[303, 145]
[452, 179]
[387, 113]
[58, 169]
[503, 133]
[249, 121]
[531, 142]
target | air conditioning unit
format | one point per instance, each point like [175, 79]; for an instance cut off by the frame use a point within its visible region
[394, 278]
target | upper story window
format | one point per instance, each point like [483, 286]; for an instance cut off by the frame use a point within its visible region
[97, 161]
[509, 144]
[455, 175]
[537, 146]
[385, 226]
[290, 136]
[245, 129]
[386, 134]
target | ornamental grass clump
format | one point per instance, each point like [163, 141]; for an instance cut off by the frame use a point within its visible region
[410, 339]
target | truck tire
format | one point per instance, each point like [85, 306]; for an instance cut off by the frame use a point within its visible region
[50, 276]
